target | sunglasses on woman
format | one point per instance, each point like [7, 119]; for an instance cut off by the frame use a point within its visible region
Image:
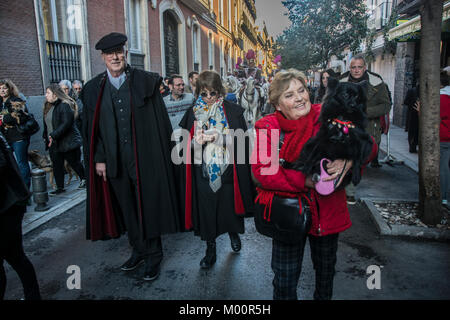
[211, 94]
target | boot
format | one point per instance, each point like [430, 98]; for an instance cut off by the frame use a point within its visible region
[235, 241]
[210, 258]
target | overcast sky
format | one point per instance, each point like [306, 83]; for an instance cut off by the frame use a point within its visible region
[271, 11]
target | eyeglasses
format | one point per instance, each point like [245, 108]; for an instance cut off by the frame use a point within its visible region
[120, 53]
[211, 94]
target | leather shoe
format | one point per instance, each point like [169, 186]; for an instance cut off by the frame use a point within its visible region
[235, 241]
[210, 258]
[375, 164]
[132, 263]
[151, 272]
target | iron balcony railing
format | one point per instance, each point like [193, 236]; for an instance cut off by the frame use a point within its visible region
[64, 61]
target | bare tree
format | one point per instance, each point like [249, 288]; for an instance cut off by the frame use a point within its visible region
[430, 208]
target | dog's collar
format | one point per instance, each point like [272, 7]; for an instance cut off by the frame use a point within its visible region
[345, 125]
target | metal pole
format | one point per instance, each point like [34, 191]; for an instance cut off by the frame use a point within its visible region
[389, 159]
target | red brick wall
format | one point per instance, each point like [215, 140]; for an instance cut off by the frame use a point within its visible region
[154, 38]
[19, 49]
[104, 16]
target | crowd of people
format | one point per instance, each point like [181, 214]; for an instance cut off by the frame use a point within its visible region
[119, 123]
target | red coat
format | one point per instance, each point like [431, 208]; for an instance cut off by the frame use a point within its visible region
[333, 215]
[444, 132]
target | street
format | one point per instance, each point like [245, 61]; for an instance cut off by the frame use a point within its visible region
[410, 269]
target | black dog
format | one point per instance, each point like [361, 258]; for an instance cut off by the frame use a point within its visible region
[341, 134]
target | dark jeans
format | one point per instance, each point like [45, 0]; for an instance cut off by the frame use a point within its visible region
[11, 250]
[21, 153]
[287, 265]
[73, 157]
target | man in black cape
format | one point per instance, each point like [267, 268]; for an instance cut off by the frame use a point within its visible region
[127, 135]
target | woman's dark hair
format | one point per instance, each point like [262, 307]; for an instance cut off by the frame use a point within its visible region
[210, 80]
[61, 95]
[322, 89]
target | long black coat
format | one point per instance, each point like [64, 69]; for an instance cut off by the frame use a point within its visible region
[242, 171]
[158, 207]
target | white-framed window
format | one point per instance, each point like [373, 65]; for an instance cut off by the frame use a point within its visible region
[236, 21]
[210, 51]
[221, 12]
[222, 57]
[229, 15]
[134, 41]
[62, 20]
[196, 46]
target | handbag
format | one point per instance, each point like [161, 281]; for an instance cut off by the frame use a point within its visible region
[29, 127]
[287, 223]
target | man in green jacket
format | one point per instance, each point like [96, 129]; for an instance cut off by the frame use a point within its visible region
[378, 103]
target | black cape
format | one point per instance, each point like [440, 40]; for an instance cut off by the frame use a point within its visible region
[158, 207]
[244, 187]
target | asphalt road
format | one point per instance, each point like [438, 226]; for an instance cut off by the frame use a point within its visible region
[409, 269]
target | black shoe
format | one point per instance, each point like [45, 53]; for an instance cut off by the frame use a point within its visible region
[151, 272]
[56, 192]
[235, 241]
[132, 263]
[210, 258]
[375, 164]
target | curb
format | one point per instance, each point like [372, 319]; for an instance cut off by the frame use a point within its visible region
[416, 232]
[46, 216]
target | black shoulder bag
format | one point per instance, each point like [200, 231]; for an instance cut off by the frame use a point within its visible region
[29, 127]
[286, 223]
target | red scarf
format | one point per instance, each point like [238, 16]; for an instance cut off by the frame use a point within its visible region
[297, 133]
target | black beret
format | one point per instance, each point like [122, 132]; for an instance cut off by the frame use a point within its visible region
[111, 41]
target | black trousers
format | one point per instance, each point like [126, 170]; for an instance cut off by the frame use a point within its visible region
[287, 265]
[73, 157]
[11, 250]
[125, 190]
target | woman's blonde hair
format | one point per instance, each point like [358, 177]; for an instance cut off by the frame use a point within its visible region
[281, 83]
[61, 95]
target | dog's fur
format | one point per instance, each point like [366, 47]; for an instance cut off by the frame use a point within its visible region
[347, 102]
[43, 162]
[18, 112]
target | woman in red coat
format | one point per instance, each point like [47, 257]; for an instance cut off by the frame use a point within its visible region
[297, 118]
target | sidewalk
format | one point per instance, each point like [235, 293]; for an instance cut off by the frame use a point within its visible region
[58, 205]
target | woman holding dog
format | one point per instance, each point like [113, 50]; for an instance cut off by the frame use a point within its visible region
[13, 111]
[61, 135]
[295, 119]
[219, 190]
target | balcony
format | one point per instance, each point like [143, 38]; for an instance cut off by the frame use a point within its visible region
[64, 61]
[379, 16]
[198, 6]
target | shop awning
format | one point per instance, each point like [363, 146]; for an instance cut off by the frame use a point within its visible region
[410, 30]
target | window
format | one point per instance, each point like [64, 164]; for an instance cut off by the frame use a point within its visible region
[229, 15]
[221, 12]
[222, 64]
[63, 35]
[236, 22]
[196, 47]
[210, 51]
[134, 42]
[62, 20]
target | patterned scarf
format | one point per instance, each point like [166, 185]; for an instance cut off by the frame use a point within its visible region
[216, 156]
